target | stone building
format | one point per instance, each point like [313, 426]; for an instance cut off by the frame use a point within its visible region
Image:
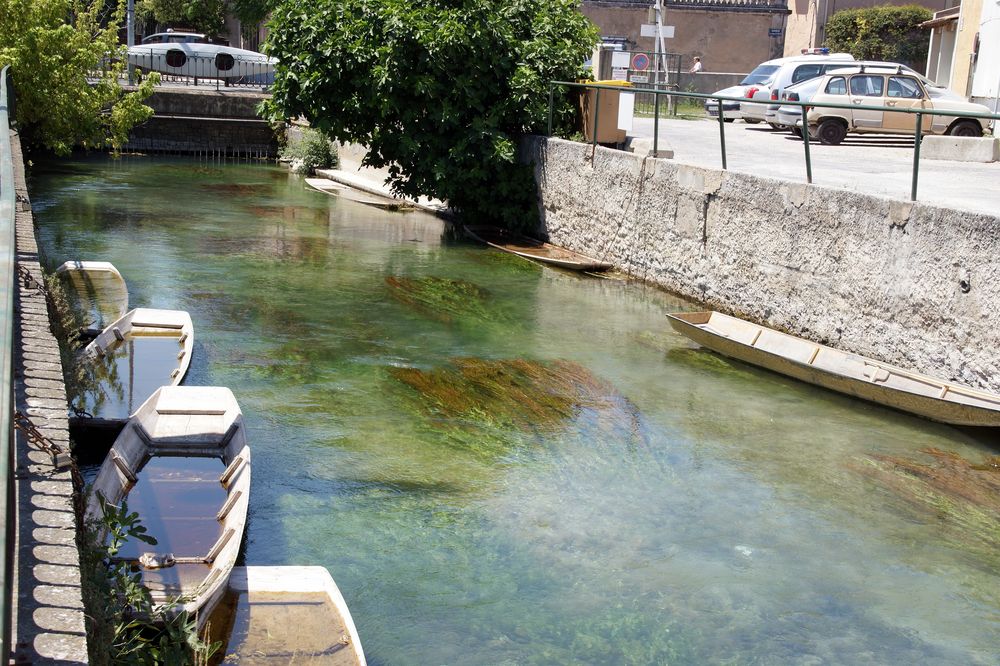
[728, 35]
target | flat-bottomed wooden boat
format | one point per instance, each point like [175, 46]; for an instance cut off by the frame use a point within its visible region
[183, 464]
[858, 376]
[536, 250]
[98, 291]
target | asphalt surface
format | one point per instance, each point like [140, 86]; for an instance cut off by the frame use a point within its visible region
[872, 164]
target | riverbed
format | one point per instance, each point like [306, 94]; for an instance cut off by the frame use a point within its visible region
[501, 463]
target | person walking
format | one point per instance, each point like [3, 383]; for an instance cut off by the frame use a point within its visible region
[696, 67]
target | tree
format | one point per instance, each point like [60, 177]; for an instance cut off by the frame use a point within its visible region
[66, 62]
[208, 16]
[439, 90]
[881, 33]
[251, 12]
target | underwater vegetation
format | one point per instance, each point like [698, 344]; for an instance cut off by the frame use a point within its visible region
[443, 299]
[234, 189]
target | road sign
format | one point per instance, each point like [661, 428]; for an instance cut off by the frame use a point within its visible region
[774, 32]
[640, 62]
[649, 30]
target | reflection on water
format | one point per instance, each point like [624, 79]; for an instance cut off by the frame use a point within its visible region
[177, 499]
[113, 386]
[664, 505]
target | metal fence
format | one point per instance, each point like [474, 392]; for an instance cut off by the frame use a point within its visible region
[7, 286]
[222, 70]
[804, 108]
[647, 69]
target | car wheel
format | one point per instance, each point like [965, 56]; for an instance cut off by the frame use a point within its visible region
[775, 126]
[751, 121]
[831, 132]
[966, 128]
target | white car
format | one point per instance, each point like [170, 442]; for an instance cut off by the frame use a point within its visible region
[885, 87]
[783, 72]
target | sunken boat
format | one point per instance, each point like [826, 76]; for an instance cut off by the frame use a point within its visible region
[183, 464]
[536, 250]
[853, 374]
[97, 292]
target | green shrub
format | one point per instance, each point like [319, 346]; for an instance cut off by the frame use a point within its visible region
[310, 152]
[881, 33]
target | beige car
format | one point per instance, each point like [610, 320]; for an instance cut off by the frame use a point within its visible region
[888, 87]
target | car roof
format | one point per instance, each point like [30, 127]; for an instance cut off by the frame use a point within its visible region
[809, 58]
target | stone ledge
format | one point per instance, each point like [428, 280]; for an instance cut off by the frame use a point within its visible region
[960, 148]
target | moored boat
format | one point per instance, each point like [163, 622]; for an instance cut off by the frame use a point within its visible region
[855, 375]
[537, 250]
[98, 292]
[183, 464]
[327, 186]
[289, 614]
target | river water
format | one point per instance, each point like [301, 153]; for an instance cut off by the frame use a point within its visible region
[506, 464]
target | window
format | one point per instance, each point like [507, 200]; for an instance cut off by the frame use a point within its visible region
[224, 62]
[176, 58]
[804, 72]
[837, 86]
[867, 86]
[760, 75]
[904, 86]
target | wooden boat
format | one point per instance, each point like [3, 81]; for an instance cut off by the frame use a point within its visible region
[327, 186]
[98, 290]
[530, 248]
[137, 354]
[287, 615]
[183, 464]
[848, 373]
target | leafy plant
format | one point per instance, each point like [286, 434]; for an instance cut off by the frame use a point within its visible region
[881, 33]
[439, 90]
[208, 16]
[124, 625]
[66, 64]
[310, 152]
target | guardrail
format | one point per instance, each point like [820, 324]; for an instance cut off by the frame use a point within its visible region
[7, 286]
[221, 70]
[803, 106]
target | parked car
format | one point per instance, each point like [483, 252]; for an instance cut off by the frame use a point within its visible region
[892, 87]
[731, 110]
[171, 37]
[785, 72]
[804, 90]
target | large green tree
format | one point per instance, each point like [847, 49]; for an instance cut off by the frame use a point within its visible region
[439, 90]
[208, 16]
[881, 33]
[66, 63]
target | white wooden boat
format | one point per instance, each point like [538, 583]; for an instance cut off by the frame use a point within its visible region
[201, 60]
[327, 186]
[183, 464]
[841, 371]
[537, 250]
[99, 292]
[137, 354]
[290, 615]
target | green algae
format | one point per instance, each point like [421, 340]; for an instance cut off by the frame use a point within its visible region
[443, 299]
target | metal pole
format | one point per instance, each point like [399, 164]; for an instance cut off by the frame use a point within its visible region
[656, 124]
[597, 113]
[130, 41]
[805, 141]
[552, 90]
[916, 155]
[722, 134]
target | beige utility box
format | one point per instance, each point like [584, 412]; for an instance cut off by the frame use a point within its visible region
[607, 115]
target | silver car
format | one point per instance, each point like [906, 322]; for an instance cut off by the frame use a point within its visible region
[731, 110]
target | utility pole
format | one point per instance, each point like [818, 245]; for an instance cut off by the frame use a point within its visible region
[130, 39]
[661, 52]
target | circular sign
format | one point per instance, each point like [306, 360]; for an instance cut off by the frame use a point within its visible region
[640, 62]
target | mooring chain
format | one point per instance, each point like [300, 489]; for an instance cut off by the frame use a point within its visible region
[29, 280]
[36, 438]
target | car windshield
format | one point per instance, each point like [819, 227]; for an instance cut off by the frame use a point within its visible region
[760, 75]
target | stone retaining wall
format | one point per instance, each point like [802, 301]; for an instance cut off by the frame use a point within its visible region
[906, 283]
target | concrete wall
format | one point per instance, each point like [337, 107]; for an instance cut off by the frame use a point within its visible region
[205, 122]
[866, 274]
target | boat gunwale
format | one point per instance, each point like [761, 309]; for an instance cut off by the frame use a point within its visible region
[585, 263]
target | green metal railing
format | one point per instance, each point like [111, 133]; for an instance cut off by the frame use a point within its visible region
[7, 286]
[804, 107]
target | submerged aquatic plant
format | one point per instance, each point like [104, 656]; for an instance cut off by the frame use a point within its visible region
[443, 299]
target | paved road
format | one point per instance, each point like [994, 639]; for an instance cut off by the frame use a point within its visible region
[874, 164]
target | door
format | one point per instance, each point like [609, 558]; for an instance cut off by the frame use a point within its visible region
[905, 92]
[867, 90]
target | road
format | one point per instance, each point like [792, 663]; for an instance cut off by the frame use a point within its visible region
[873, 164]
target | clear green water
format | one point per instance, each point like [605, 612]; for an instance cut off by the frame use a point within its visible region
[669, 507]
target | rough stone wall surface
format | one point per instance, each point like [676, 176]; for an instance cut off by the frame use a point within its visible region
[49, 626]
[902, 282]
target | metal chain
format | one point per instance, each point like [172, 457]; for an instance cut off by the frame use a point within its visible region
[35, 438]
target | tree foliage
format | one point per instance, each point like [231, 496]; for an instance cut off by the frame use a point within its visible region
[53, 46]
[439, 90]
[208, 16]
[251, 12]
[881, 33]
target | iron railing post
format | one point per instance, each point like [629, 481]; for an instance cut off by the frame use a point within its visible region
[805, 142]
[916, 155]
[597, 112]
[656, 124]
[722, 134]
[552, 91]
